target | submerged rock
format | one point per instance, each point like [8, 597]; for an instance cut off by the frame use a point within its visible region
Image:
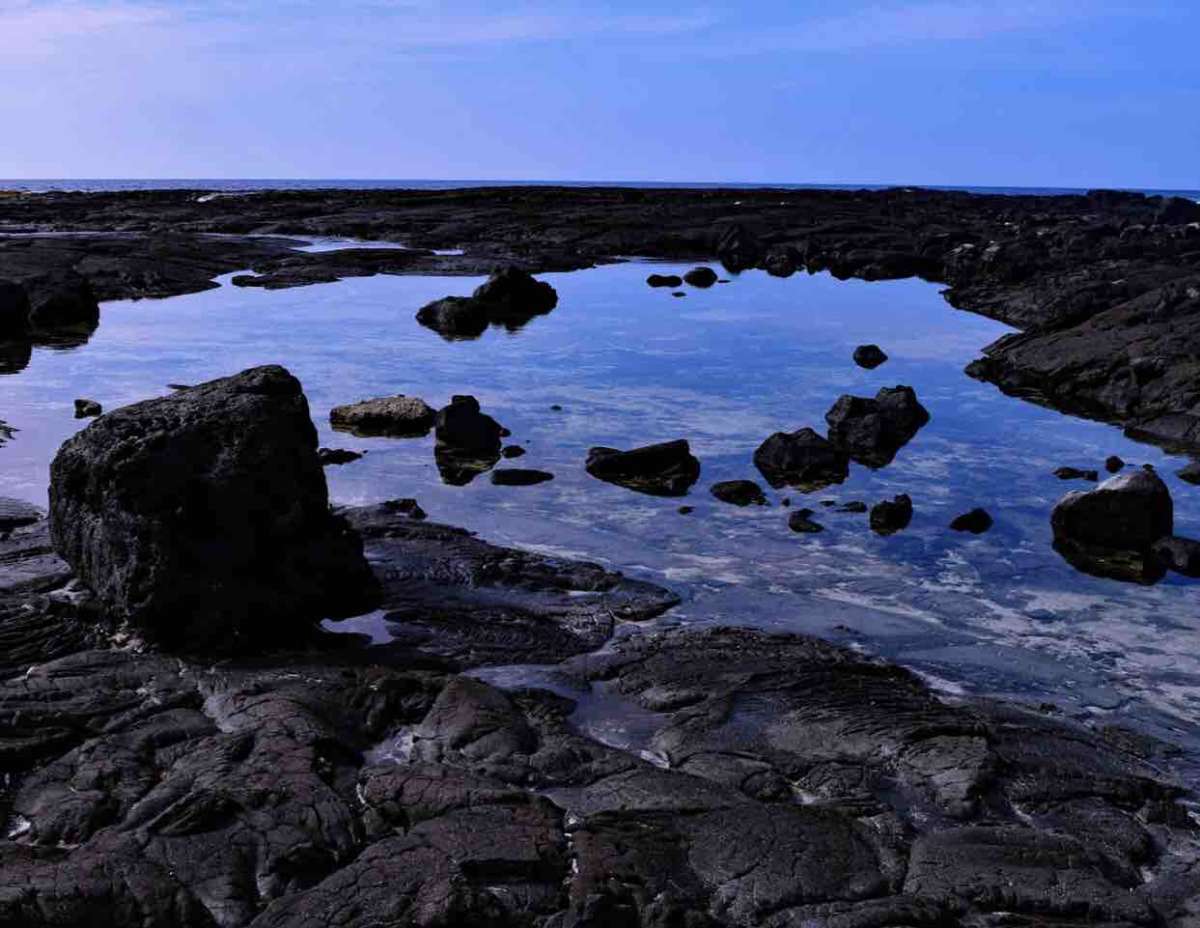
[468, 441]
[401, 416]
[801, 521]
[891, 516]
[871, 431]
[1074, 473]
[203, 517]
[87, 409]
[869, 356]
[702, 277]
[520, 477]
[977, 521]
[739, 492]
[665, 469]
[801, 459]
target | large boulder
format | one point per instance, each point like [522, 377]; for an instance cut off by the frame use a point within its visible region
[871, 431]
[203, 518]
[1128, 512]
[404, 416]
[801, 459]
[665, 469]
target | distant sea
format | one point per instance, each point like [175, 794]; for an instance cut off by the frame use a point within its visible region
[249, 185]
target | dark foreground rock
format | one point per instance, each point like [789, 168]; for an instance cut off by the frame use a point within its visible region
[891, 515]
[801, 459]
[872, 431]
[665, 469]
[401, 416]
[869, 356]
[202, 518]
[739, 492]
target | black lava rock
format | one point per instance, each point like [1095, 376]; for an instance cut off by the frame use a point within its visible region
[891, 516]
[519, 477]
[869, 356]
[977, 521]
[666, 469]
[739, 492]
[871, 431]
[801, 459]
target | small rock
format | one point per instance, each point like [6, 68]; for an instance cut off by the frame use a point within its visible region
[1113, 464]
[512, 451]
[891, 516]
[87, 409]
[853, 506]
[664, 280]
[515, 292]
[702, 277]
[686, 510]
[977, 521]
[1074, 473]
[556, 408]
[801, 521]
[801, 459]
[398, 416]
[1181, 555]
[1128, 512]
[678, 293]
[409, 507]
[869, 356]
[666, 469]
[739, 492]
[518, 477]
[335, 456]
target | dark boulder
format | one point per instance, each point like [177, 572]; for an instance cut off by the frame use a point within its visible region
[402, 416]
[455, 317]
[1128, 512]
[869, 356]
[801, 459]
[801, 521]
[1114, 464]
[87, 409]
[468, 441]
[782, 261]
[702, 277]
[1181, 555]
[336, 456]
[977, 521]
[519, 477]
[739, 492]
[871, 431]
[203, 518]
[512, 451]
[514, 294]
[664, 280]
[665, 469]
[891, 516]
[1074, 473]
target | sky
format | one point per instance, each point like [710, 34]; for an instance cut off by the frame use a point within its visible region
[977, 92]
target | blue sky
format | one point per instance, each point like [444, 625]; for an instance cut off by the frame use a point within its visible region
[916, 91]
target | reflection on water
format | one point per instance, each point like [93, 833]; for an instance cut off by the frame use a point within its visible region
[725, 367]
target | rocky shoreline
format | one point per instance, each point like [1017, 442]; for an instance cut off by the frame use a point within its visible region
[1105, 288]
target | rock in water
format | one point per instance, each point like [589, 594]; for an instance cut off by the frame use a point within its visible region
[739, 492]
[468, 441]
[403, 416]
[664, 280]
[977, 521]
[1075, 473]
[520, 477]
[666, 469]
[1127, 512]
[203, 517]
[802, 459]
[1181, 555]
[869, 356]
[512, 293]
[891, 516]
[87, 409]
[454, 317]
[701, 277]
[871, 431]
[1113, 464]
[1190, 473]
[801, 521]
[334, 457]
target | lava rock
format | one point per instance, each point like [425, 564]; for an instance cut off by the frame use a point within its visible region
[512, 451]
[781, 261]
[336, 456]
[87, 409]
[665, 469]
[891, 516]
[1074, 473]
[519, 477]
[455, 317]
[869, 356]
[203, 517]
[801, 459]
[739, 492]
[702, 277]
[468, 441]
[977, 521]
[801, 521]
[871, 431]
[1181, 555]
[513, 295]
[401, 416]
[1127, 512]
[664, 280]
[1114, 464]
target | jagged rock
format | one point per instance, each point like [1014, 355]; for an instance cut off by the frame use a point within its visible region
[87, 409]
[202, 518]
[977, 521]
[664, 280]
[871, 431]
[801, 459]
[869, 356]
[665, 469]
[519, 477]
[403, 416]
[739, 492]
[702, 277]
[801, 521]
[891, 516]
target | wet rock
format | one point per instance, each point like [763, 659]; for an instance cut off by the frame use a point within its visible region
[519, 477]
[333, 457]
[666, 469]
[1074, 473]
[854, 506]
[401, 416]
[468, 441]
[891, 516]
[739, 248]
[15, 513]
[1127, 512]
[1181, 555]
[407, 506]
[702, 277]
[87, 409]
[512, 295]
[664, 280]
[872, 431]
[202, 518]
[1190, 473]
[869, 356]
[455, 317]
[977, 521]
[801, 459]
[1113, 464]
[739, 492]
[512, 451]
[801, 521]
[782, 261]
